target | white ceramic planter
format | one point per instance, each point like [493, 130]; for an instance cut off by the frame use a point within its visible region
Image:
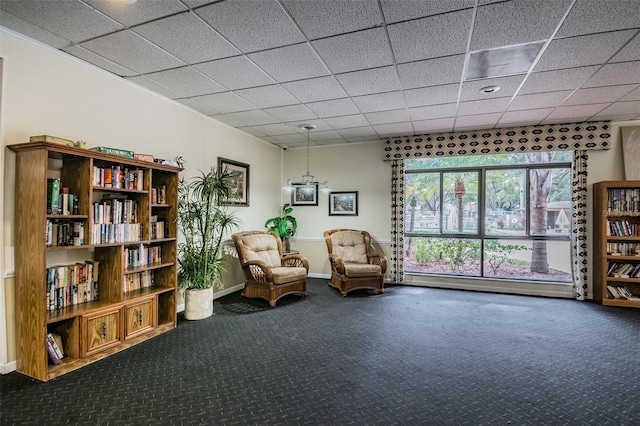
[198, 304]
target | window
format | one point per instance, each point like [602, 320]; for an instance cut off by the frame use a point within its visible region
[499, 216]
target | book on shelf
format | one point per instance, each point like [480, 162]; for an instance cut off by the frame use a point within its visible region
[621, 292]
[53, 195]
[114, 151]
[57, 350]
[53, 356]
[144, 157]
[56, 139]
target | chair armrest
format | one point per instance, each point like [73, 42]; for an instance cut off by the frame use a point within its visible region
[257, 270]
[336, 264]
[295, 260]
[379, 259]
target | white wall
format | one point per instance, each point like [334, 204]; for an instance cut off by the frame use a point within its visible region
[48, 92]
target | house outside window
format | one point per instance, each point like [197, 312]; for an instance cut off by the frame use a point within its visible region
[505, 216]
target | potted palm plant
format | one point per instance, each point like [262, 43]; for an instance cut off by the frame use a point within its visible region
[284, 225]
[204, 218]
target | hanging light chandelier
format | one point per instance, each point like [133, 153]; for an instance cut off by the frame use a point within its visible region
[307, 178]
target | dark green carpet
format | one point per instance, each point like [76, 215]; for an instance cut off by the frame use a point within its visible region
[408, 356]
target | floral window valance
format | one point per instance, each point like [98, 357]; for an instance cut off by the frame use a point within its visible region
[554, 137]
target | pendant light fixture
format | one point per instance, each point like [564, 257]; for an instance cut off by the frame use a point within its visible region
[307, 178]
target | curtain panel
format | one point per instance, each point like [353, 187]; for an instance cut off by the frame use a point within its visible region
[577, 137]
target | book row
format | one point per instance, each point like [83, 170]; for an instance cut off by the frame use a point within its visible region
[159, 195]
[54, 348]
[623, 270]
[71, 284]
[59, 199]
[115, 210]
[620, 293]
[623, 200]
[138, 280]
[64, 232]
[118, 177]
[623, 249]
[135, 257]
[622, 228]
[116, 233]
[157, 229]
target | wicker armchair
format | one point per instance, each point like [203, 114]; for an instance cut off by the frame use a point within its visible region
[353, 266]
[268, 274]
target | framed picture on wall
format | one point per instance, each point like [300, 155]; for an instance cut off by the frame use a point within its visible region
[240, 172]
[304, 195]
[343, 203]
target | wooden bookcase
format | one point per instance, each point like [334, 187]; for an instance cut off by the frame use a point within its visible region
[616, 218]
[133, 299]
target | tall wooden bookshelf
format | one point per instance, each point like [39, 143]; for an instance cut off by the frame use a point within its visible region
[616, 217]
[133, 247]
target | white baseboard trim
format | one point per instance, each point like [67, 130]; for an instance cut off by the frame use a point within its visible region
[325, 276]
[8, 367]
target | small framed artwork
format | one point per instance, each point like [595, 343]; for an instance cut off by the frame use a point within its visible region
[241, 180]
[343, 203]
[304, 195]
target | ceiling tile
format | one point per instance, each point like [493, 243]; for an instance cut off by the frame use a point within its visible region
[631, 52]
[425, 38]
[73, 20]
[483, 106]
[432, 95]
[434, 126]
[621, 108]
[508, 23]
[187, 81]
[589, 16]
[326, 18]
[554, 81]
[530, 116]
[252, 25]
[396, 11]
[333, 108]
[245, 73]
[321, 126]
[132, 51]
[98, 61]
[359, 132]
[371, 81]
[275, 129]
[193, 104]
[355, 51]
[325, 135]
[380, 102]
[294, 138]
[346, 121]
[394, 129]
[480, 121]
[432, 111]
[35, 32]
[387, 117]
[140, 11]
[431, 72]
[570, 52]
[253, 131]
[301, 62]
[615, 74]
[632, 96]
[538, 100]
[267, 96]
[226, 102]
[155, 87]
[577, 112]
[291, 113]
[508, 86]
[255, 117]
[598, 95]
[315, 89]
[187, 38]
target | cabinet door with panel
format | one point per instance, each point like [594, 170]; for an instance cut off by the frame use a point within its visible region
[101, 331]
[140, 317]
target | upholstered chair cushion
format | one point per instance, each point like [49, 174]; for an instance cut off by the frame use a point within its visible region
[262, 247]
[283, 275]
[361, 270]
[350, 246]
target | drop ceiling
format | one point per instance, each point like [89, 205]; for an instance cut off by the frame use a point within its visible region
[359, 70]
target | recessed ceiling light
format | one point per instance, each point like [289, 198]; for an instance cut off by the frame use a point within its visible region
[490, 89]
